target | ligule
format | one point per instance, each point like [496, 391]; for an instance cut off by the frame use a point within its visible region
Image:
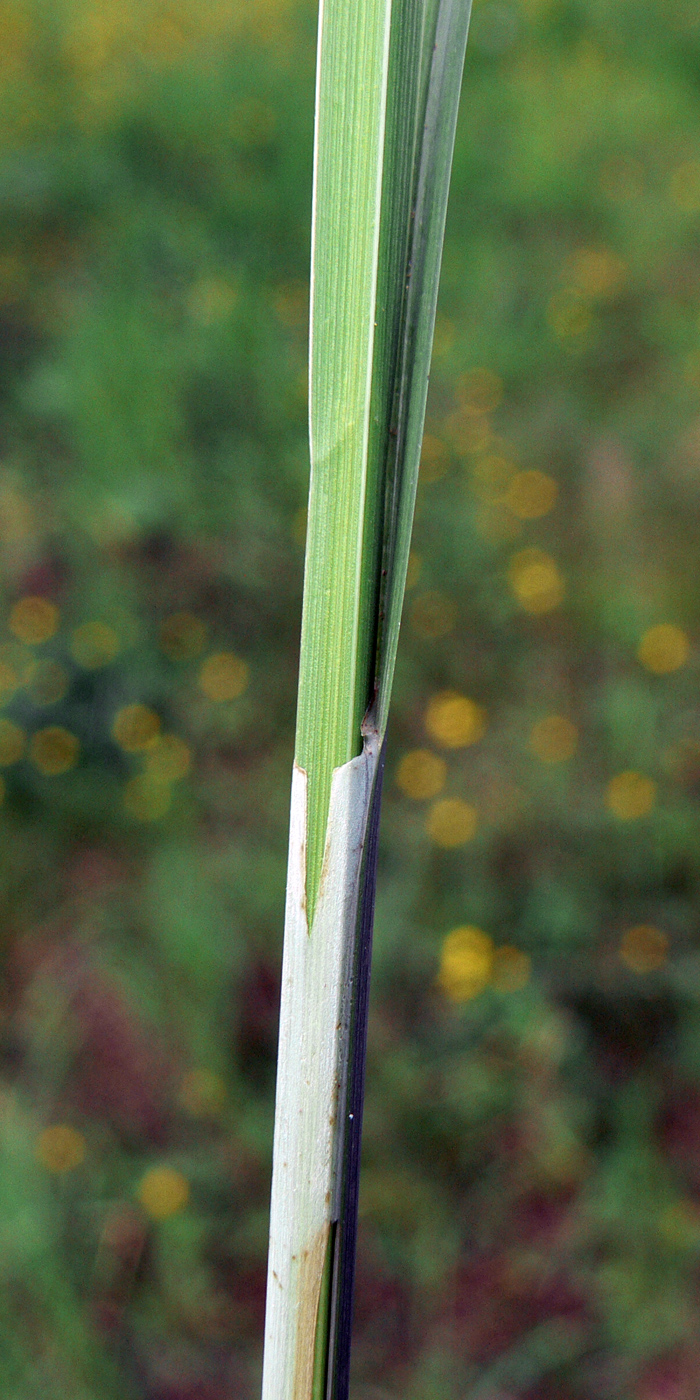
[388, 81]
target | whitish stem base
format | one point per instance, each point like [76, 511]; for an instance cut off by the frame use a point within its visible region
[312, 1072]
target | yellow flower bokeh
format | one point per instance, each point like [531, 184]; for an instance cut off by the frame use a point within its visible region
[510, 970]
[94, 644]
[413, 571]
[13, 742]
[531, 494]
[147, 798]
[9, 680]
[466, 962]
[663, 648]
[630, 795]
[434, 460]
[644, 948]
[554, 738]
[536, 581]
[684, 186]
[54, 750]
[34, 620]
[223, 676]
[211, 300]
[479, 392]
[597, 271]
[679, 1224]
[492, 477]
[60, 1148]
[202, 1093]
[496, 523]
[136, 727]
[454, 720]
[163, 1192]
[433, 615]
[569, 314]
[421, 774]
[183, 636]
[451, 822]
[169, 760]
[49, 683]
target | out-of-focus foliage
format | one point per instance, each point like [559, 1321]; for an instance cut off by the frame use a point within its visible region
[531, 1196]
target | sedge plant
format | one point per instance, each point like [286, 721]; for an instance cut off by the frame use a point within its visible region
[388, 81]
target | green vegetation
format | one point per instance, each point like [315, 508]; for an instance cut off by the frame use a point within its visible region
[529, 1211]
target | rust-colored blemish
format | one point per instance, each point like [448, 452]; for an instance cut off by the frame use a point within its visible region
[310, 1280]
[325, 869]
[302, 853]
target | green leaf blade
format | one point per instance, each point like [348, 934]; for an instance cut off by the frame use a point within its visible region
[438, 80]
[389, 79]
[341, 572]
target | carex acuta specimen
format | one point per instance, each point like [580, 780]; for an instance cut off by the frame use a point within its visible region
[388, 82]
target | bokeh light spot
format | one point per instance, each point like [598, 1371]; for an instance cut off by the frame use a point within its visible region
[536, 581]
[146, 798]
[415, 564]
[454, 720]
[663, 649]
[54, 750]
[17, 666]
[433, 615]
[491, 478]
[223, 676]
[468, 433]
[163, 1192]
[202, 1093]
[136, 727]
[554, 738]
[531, 494]
[622, 180]
[466, 963]
[300, 522]
[291, 303]
[451, 822]
[49, 683]
[211, 300]
[679, 1224]
[569, 314]
[684, 186]
[434, 460]
[13, 742]
[34, 620]
[9, 681]
[511, 969]
[597, 271]
[496, 523]
[445, 335]
[421, 774]
[644, 948]
[183, 636]
[479, 391]
[630, 795]
[94, 644]
[60, 1148]
[169, 760]
[253, 122]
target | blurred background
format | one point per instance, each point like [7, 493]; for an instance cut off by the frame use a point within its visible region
[530, 1210]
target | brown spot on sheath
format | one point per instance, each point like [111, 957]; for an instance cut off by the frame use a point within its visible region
[325, 870]
[310, 1280]
[302, 858]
